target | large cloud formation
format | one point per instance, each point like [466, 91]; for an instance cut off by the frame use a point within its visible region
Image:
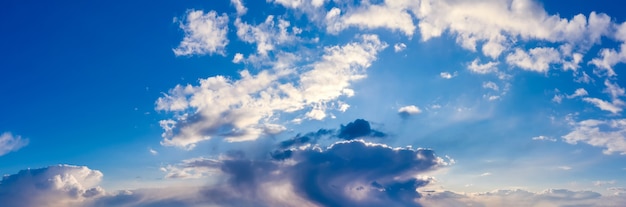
[347, 173]
[54, 186]
[242, 110]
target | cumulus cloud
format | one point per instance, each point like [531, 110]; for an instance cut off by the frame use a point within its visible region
[491, 85]
[54, 186]
[238, 4]
[268, 34]
[498, 23]
[347, 173]
[10, 143]
[484, 68]
[407, 111]
[447, 75]
[237, 58]
[613, 89]
[616, 104]
[399, 47]
[578, 93]
[392, 15]
[608, 134]
[544, 138]
[557, 98]
[610, 57]
[550, 197]
[241, 110]
[205, 33]
[495, 27]
[537, 59]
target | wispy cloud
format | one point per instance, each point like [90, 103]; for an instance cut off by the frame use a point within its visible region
[10, 143]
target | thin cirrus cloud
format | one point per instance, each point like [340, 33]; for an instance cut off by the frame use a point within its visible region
[10, 143]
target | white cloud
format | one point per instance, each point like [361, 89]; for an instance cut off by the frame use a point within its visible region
[152, 151]
[610, 58]
[608, 134]
[616, 104]
[578, 93]
[493, 98]
[238, 4]
[447, 75]
[392, 15]
[557, 98]
[204, 33]
[491, 85]
[613, 89]
[537, 59]
[10, 143]
[54, 186]
[494, 26]
[544, 138]
[485, 174]
[409, 110]
[267, 35]
[605, 105]
[241, 110]
[399, 47]
[237, 58]
[485, 68]
[500, 23]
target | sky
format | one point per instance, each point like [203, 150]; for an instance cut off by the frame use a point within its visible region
[312, 103]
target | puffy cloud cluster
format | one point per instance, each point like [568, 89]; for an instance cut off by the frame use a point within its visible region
[205, 33]
[496, 27]
[54, 186]
[10, 143]
[273, 31]
[243, 109]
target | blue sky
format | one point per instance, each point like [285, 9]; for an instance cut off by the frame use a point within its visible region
[459, 103]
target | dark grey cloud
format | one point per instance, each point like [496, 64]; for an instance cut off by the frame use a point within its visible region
[358, 128]
[347, 173]
[301, 139]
